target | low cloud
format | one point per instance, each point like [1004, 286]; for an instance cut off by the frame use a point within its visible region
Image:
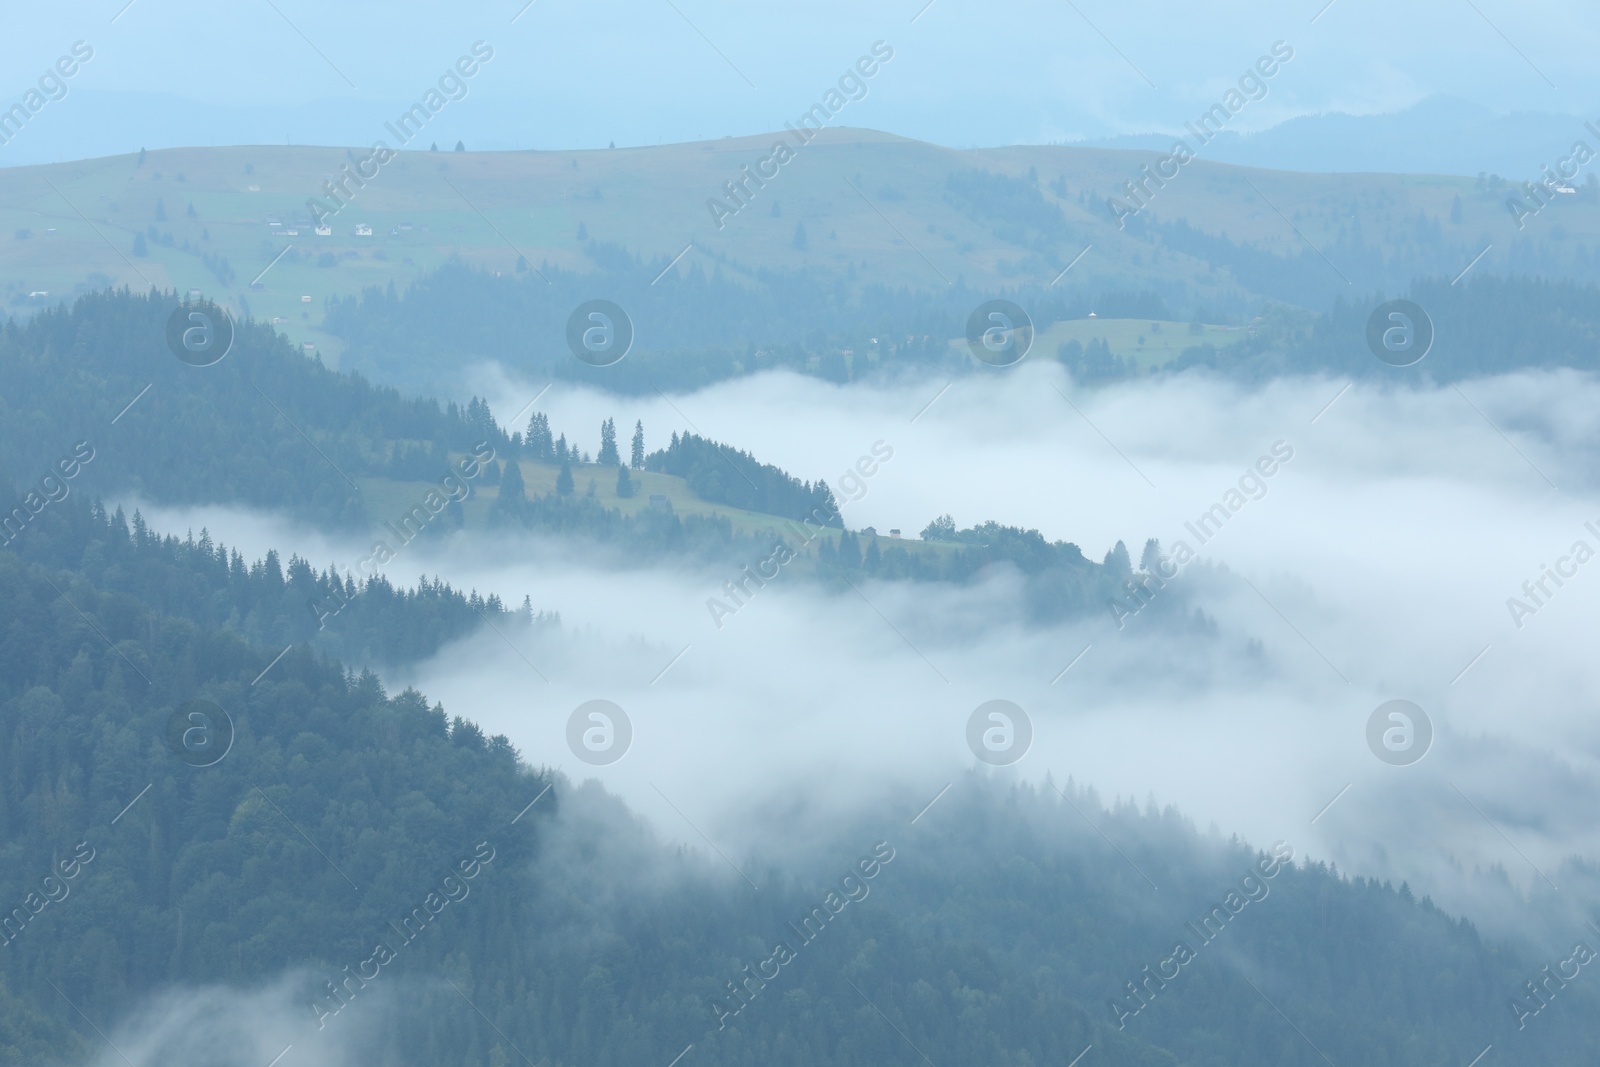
[1377, 566]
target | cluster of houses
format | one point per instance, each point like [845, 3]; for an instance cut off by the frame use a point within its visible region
[361, 229]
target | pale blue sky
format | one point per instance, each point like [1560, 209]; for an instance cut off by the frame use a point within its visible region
[581, 74]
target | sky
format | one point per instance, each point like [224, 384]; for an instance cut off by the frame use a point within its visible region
[573, 75]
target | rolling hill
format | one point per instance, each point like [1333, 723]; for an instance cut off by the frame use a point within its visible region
[855, 207]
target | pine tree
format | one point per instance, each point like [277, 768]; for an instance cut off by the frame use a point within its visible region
[849, 550]
[624, 483]
[873, 557]
[1150, 558]
[140, 248]
[608, 444]
[512, 487]
[482, 421]
[564, 479]
[636, 454]
[562, 454]
[537, 440]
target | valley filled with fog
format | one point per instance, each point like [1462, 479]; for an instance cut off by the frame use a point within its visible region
[635, 535]
[1374, 564]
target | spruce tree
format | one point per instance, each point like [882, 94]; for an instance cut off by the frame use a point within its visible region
[636, 456]
[624, 483]
[537, 440]
[849, 550]
[564, 479]
[608, 444]
[1150, 559]
[512, 487]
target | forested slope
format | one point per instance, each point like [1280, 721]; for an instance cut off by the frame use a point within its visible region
[1001, 926]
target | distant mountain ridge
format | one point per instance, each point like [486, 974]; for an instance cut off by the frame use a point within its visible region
[1437, 135]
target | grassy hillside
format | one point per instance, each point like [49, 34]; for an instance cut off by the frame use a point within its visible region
[387, 498]
[873, 207]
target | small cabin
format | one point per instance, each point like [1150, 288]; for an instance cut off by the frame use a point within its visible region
[659, 502]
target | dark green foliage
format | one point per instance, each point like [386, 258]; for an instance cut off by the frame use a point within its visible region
[1483, 324]
[206, 879]
[726, 475]
[941, 529]
[265, 602]
[265, 426]
[624, 483]
[1093, 363]
[537, 442]
[705, 327]
[512, 487]
[564, 478]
